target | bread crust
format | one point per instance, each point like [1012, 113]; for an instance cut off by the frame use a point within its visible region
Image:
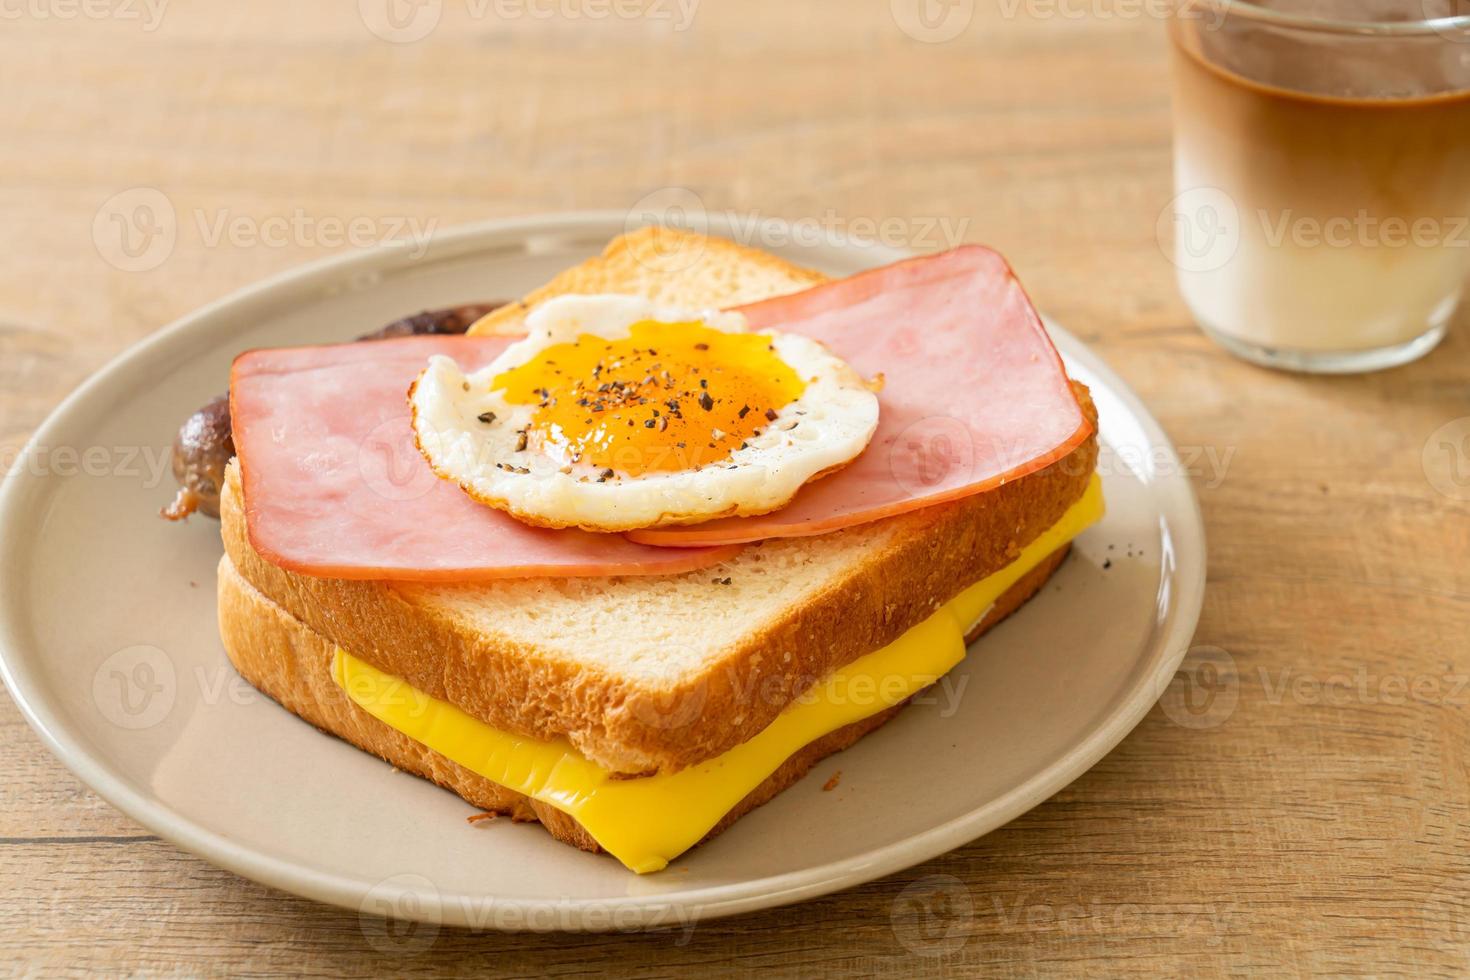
[291, 663]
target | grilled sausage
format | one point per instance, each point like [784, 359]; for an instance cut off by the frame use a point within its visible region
[204, 444]
[455, 320]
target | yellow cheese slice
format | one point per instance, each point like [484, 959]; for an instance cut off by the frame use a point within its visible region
[648, 821]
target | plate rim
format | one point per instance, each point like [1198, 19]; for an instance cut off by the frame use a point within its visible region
[569, 914]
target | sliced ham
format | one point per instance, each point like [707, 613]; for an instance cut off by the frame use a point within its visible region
[973, 392]
[334, 485]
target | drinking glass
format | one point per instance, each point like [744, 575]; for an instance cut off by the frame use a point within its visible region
[1322, 176]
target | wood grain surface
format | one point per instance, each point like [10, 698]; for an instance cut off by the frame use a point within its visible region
[1296, 804]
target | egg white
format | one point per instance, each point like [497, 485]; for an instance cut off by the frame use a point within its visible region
[827, 426]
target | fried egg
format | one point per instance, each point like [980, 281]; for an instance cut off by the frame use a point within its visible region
[615, 413]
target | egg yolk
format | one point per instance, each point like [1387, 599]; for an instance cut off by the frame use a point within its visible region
[668, 397]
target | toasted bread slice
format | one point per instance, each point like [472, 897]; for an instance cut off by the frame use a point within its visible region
[675, 268]
[658, 673]
[291, 662]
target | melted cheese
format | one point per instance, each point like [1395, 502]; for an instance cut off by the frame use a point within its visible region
[648, 821]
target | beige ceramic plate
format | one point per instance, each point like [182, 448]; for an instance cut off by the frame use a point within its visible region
[107, 630]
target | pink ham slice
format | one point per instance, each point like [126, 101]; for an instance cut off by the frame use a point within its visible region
[334, 485]
[974, 393]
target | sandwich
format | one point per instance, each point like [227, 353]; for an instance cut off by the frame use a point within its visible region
[641, 549]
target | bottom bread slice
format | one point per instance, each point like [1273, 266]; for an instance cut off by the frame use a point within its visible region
[292, 663]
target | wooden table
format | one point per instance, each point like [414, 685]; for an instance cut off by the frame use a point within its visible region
[1297, 803]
